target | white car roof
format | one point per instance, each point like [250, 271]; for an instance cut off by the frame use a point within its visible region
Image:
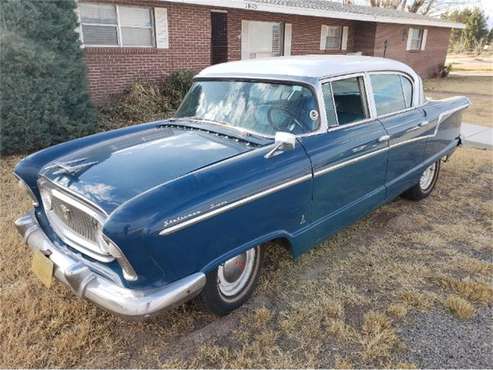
[306, 67]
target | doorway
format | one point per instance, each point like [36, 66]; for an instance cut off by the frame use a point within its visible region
[219, 37]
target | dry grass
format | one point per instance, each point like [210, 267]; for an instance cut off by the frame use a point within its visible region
[340, 305]
[477, 88]
[397, 310]
[460, 307]
[378, 336]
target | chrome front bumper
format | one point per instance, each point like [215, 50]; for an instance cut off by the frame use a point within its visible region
[85, 283]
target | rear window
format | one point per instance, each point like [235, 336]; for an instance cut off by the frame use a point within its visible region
[391, 92]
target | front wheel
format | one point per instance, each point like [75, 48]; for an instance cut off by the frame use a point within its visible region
[426, 183]
[233, 282]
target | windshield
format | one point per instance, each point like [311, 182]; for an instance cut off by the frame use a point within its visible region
[261, 107]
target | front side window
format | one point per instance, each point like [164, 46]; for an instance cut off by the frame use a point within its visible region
[415, 38]
[334, 37]
[350, 100]
[115, 25]
[260, 107]
[391, 92]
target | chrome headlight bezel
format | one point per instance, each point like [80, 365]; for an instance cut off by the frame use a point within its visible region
[113, 249]
[22, 184]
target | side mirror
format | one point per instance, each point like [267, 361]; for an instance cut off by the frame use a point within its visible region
[283, 141]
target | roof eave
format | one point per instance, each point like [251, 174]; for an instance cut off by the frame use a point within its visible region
[270, 8]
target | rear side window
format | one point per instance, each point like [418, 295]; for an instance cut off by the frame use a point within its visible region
[350, 100]
[392, 93]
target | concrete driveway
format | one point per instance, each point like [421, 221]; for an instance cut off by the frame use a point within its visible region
[476, 136]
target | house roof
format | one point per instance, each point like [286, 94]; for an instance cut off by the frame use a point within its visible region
[306, 68]
[328, 9]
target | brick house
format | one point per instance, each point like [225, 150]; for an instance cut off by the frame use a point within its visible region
[131, 40]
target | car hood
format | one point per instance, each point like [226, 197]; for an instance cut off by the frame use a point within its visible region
[114, 171]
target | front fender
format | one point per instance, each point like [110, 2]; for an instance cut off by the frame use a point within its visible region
[244, 218]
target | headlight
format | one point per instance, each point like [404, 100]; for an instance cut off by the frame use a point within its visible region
[128, 271]
[27, 189]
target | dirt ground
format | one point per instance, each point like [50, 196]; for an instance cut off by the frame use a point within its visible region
[408, 286]
[478, 88]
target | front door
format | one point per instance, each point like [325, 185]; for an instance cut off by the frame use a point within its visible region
[349, 161]
[219, 37]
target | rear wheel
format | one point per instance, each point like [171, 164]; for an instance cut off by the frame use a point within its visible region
[233, 282]
[426, 183]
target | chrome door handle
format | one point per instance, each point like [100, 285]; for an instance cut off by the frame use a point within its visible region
[383, 138]
[414, 128]
[424, 123]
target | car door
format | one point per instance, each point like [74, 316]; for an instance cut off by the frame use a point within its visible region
[406, 125]
[349, 160]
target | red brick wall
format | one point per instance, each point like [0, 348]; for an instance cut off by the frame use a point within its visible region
[111, 70]
[425, 62]
[305, 31]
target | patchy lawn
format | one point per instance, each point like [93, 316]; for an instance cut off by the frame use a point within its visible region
[409, 285]
[477, 88]
[471, 63]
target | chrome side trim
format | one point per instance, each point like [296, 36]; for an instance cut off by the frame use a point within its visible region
[86, 283]
[442, 117]
[227, 207]
[334, 167]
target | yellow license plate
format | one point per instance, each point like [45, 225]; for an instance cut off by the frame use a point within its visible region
[42, 267]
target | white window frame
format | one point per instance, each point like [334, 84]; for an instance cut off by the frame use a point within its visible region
[119, 28]
[343, 37]
[422, 32]
[339, 46]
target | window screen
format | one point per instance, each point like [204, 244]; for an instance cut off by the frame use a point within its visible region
[99, 24]
[114, 25]
[334, 35]
[391, 92]
[136, 25]
[416, 35]
[350, 100]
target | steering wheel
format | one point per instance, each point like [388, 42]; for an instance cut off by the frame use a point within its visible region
[288, 123]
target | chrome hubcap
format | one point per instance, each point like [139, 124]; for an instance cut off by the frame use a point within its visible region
[234, 274]
[427, 177]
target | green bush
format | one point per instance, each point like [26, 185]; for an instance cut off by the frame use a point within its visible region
[176, 86]
[44, 94]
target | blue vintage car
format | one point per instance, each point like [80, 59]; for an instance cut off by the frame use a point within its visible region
[289, 149]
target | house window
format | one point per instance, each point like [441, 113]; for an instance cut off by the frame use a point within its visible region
[261, 39]
[415, 38]
[334, 36]
[116, 25]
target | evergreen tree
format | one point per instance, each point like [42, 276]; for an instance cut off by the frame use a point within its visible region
[44, 91]
[475, 32]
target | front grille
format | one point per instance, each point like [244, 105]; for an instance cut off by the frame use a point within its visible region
[74, 220]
